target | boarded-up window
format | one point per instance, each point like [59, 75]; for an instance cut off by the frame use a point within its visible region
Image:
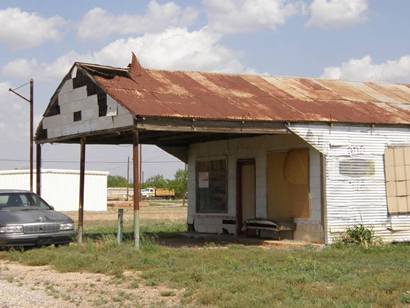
[288, 184]
[211, 186]
[397, 172]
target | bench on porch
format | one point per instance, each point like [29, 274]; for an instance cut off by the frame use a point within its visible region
[278, 229]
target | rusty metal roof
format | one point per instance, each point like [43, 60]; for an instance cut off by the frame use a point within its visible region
[159, 93]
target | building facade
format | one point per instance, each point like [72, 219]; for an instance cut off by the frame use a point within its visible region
[323, 155]
[60, 188]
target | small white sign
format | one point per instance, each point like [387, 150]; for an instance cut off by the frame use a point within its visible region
[203, 179]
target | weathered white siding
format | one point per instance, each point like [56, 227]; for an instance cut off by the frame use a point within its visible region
[60, 188]
[257, 148]
[357, 200]
[72, 100]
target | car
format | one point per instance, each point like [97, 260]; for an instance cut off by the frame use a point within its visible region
[27, 220]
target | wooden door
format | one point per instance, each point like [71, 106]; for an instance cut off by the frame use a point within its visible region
[246, 186]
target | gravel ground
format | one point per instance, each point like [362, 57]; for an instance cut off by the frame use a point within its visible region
[12, 295]
[39, 286]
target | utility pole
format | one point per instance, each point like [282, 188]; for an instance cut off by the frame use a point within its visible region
[128, 178]
[30, 100]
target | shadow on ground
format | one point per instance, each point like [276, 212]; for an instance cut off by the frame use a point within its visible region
[195, 240]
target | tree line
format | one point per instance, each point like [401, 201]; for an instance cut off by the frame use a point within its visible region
[178, 183]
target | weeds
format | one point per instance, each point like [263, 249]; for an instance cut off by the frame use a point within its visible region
[359, 235]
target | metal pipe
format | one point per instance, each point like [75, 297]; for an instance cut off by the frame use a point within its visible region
[323, 168]
[120, 225]
[38, 169]
[140, 173]
[31, 132]
[81, 196]
[135, 150]
[128, 178]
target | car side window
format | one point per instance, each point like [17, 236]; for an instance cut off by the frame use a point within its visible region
[3, 200]
[14, 200]
[37, 201]
[25, 201]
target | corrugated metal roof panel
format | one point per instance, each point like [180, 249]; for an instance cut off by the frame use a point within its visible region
[251, 97]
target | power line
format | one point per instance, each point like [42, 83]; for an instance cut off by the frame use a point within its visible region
[92, 162]
[24, 84]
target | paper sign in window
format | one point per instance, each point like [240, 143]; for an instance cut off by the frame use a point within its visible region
[203, 180]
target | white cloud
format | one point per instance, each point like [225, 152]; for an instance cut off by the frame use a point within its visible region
[337, 13]
[31, 68]
[232, 16]
[364, 69]
[13, 120]
[19, 29]
[98, 23]
[174, 49]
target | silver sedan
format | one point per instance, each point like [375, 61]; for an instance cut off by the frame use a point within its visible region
[27, 220]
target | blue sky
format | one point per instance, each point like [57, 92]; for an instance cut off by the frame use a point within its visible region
[339, 39]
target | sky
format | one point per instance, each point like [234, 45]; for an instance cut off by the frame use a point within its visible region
[336, 39]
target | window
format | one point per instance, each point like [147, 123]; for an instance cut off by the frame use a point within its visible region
[357, 168]
[397, 174]
[77, 116]
[211, 186]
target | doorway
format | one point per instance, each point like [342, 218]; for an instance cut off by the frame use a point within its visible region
[246, 192]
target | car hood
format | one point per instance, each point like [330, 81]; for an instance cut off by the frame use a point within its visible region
[32, 216]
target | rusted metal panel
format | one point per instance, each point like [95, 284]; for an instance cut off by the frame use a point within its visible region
[251, 97]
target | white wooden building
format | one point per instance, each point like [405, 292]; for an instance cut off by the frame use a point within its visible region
[60, 187]
[324, 154]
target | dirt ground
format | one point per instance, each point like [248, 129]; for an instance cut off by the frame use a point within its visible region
[170, 212]
[26, 286]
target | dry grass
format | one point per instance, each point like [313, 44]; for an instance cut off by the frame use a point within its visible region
[235, 275]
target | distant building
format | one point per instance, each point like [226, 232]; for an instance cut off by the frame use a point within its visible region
[60, 187]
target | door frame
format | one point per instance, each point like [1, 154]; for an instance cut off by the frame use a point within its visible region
[239, 164]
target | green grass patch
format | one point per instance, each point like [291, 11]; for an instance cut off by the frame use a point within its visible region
[242, 276]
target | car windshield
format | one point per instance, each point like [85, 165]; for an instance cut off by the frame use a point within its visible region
[22, 200]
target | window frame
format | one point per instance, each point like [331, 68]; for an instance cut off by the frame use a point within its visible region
[198, 210]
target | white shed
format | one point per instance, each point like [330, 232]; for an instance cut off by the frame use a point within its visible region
[60, 187]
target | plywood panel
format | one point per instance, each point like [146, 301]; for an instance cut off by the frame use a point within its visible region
[401, 189]
[399, 156]
[400, 173]
[391, 189]
[402, 204]
[390, 173]
[407, 156]
[392, 202]
[288, 184]
[389, 158]
[397, 168]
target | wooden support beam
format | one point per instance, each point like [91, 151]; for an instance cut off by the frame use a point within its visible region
[136, 177]
[81, 196]
[38, 169]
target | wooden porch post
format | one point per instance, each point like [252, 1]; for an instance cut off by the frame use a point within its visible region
[38, 169]
[81, 196]
[136, 176]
